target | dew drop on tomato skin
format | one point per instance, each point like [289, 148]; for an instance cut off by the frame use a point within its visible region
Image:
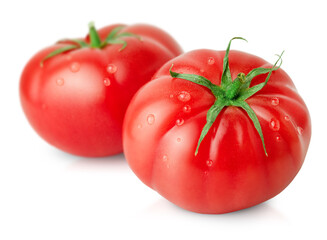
[211, 60]
[179, 140]
[299, 130]
[75, 67]
[111, 68]
[150, 119]
[187, 109]
[184, 96]
[278, 138]
[209, 162]
[274, 124]
[275, 101]
[164, 158]
[60, 81]
[106, 82]
[180, 122]
[139, 126]
[171, 95]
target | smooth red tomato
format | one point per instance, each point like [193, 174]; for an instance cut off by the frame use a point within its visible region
[233, 168]
[75, 93]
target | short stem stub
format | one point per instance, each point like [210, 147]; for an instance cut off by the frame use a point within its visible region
[94, 36]
[234, 88]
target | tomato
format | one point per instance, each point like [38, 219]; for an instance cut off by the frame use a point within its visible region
[211, 144]
[75, 93]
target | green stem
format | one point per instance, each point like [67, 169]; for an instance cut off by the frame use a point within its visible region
[234, 88]
[94, 36]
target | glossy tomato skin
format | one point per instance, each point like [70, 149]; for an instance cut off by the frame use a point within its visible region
[78, 99]
[231, 171]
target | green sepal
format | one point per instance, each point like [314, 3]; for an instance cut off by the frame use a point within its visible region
[114, 37]
[79, 42]
[128, 34]
[254, 119]
[226, 77]
[248, 92]
[200, 80]
[113, 33]
[212, 114]
[118, 41]
[58, 51]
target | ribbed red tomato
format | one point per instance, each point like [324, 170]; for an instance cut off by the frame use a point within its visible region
[255, 130]
[75, 93]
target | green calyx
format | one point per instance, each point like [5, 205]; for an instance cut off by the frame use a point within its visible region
[231, 92]
[114, 37]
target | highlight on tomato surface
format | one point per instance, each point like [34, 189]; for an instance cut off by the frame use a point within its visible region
[75, 92]
[217, 131]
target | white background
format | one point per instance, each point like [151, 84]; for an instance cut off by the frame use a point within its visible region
[48, 194]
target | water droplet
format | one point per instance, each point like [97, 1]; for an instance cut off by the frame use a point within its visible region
[211, 60]
[299, 130]
[179, 139]
[202, 70]
[111, 68]
[209, 163]
[287, 118]
[139, 126]
[150, 119]
[164, 158]
[75, 67]
[274, 124]
[278, 138]
[60, 81]
[184, 96]
[275, 101]
[106, 82]
[187, 108]
[179, 122]
[171, 95]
